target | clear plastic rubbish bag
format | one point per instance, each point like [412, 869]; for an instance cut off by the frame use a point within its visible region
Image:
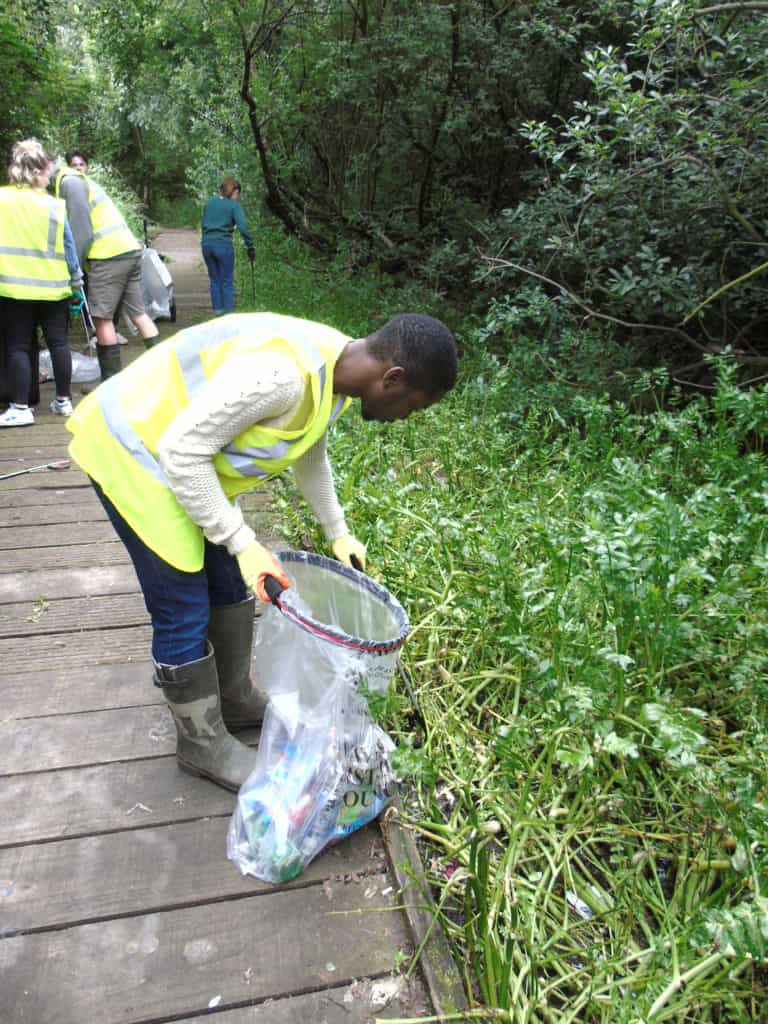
[84, 368]
[156, 286]
[323, 766]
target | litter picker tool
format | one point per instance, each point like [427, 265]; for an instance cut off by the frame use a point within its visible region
[60, 464]
[87, 313]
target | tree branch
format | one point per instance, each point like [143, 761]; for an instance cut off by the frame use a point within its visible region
[727, 287]
[497, 262]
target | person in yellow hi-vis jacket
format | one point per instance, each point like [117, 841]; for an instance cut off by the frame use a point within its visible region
[39, 278]
[110, 252]
[211, 412]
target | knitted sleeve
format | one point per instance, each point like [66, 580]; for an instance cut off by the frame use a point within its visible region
[256, 388]
[314, 478]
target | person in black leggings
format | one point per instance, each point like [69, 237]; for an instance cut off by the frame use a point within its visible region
[20, 318]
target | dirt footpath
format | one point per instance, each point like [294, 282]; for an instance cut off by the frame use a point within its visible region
[181, 249]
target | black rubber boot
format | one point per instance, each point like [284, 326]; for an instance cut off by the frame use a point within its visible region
[230, 632]
[204, 746]
[151, 342]
[110, 361]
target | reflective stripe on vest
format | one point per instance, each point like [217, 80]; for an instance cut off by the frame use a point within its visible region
[127, 436]
[32, 260]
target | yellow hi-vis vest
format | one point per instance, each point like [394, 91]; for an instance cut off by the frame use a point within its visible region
[111, 235]
[32, 261]
[118, 427]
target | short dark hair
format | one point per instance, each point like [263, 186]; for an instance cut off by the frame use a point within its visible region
[72, 153]
[423, 346]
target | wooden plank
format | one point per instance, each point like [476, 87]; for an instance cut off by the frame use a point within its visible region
[30, 455]
[150, 869]
[66, 741]
[35, 693]
[115, 797]
[359, 1003]
[175, 963]
[73, 556]
[70, 513]
[65, 650]
[48, 431]
[51, 479]
[45, 498]
[57, 535]
[53, 584]
[33, 618]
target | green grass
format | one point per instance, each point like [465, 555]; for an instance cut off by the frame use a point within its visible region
[587, 591]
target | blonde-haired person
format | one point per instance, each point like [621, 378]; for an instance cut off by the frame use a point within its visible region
[39, 276]
[221, 215]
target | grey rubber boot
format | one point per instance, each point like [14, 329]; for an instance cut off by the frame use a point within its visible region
[204, 746]
[230, 631]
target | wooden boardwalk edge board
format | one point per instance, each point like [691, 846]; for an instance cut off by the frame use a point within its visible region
[436, 961]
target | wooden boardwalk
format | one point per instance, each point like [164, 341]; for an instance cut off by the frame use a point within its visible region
[117, 901]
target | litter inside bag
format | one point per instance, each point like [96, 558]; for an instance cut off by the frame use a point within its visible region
[309, 789]
[323, 766]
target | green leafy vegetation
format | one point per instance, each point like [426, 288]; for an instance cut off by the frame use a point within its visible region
[586, 585]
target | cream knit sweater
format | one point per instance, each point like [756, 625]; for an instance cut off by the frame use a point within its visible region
[260, 387]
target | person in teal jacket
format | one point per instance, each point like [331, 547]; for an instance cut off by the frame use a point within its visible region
[221, 215]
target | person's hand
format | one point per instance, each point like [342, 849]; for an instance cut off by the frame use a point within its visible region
[346, 547]
[251, 255]
[76, 301]
[256, 563]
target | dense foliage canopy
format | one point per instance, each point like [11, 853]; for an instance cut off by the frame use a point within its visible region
[609, 156]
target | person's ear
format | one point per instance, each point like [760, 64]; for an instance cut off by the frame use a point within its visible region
[393, 377]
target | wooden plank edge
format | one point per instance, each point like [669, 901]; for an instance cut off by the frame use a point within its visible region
[436, 962]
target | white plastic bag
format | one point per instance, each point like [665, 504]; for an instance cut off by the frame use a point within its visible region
[323, 766]
[84, 368]
[156, 286]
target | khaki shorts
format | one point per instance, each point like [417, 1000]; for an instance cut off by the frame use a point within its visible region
[113, 281]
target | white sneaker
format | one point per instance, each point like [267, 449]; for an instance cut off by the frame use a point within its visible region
[17, 416]
[61, 407]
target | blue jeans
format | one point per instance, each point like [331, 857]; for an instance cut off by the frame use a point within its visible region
[179, 603]
[220, 261]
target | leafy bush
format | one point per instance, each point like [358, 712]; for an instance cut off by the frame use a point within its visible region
[649, 194]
